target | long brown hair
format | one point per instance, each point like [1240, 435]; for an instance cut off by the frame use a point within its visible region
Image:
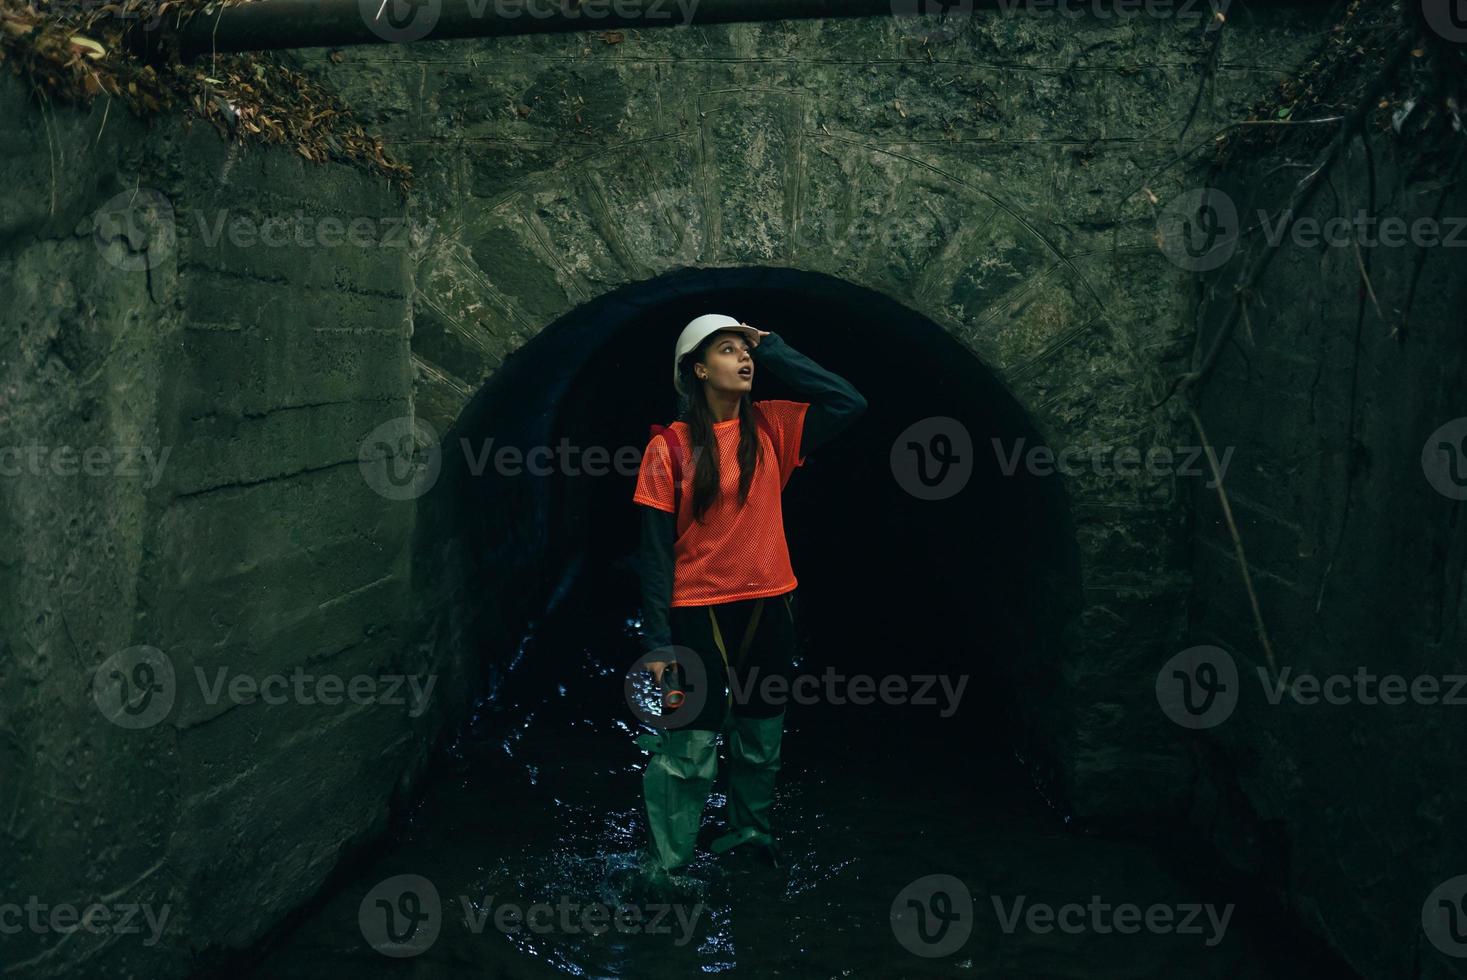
[705, 448]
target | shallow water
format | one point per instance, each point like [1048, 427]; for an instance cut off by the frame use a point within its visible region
[539, 802]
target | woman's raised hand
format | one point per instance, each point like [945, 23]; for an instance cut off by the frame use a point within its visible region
[760, 334]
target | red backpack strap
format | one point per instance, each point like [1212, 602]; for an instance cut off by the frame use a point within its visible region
[675, 456]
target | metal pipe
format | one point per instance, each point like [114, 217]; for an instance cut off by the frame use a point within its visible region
[273, 24]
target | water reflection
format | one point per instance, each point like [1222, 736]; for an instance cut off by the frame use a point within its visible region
[531, 839]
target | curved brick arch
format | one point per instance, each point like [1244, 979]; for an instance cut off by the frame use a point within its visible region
[756, 183]
[770, 193]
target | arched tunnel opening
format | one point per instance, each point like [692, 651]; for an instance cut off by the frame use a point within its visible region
[967, 583]
[950, 596]
[963, 592]
[971, 583]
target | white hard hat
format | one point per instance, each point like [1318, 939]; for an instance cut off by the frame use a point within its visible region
[698, 331]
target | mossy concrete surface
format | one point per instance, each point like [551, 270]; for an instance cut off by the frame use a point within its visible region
[989, 175]
[183, 407]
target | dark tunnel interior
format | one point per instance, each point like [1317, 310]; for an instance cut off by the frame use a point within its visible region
[889, 583]
[540, 792]
[977, 583]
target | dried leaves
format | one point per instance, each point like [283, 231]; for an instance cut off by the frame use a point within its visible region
[77, 53]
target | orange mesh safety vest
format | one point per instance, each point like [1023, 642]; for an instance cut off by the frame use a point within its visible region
[734, 552]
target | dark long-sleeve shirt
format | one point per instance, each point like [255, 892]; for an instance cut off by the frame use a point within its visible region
[834, 405]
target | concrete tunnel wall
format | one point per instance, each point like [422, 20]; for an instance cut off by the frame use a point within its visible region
[982, 178]
[1354, 811]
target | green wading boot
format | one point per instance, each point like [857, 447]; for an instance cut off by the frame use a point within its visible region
[676, 784]
[753, 765]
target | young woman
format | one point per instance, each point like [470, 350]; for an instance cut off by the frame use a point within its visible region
[716, 575]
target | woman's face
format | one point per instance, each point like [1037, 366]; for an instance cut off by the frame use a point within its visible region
[727, 365]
